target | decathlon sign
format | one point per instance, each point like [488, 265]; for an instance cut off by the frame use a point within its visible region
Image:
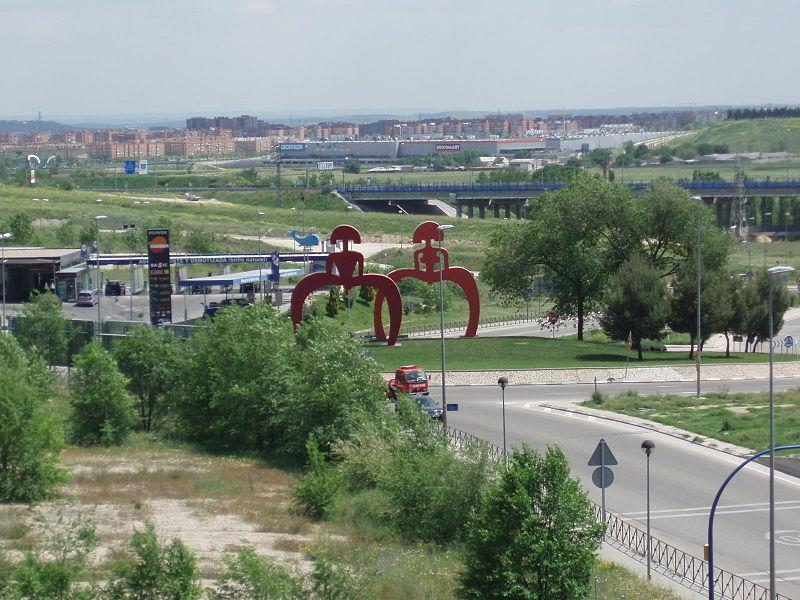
[292, 147]
[448, 147]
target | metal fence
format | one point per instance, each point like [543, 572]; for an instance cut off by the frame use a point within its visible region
[686, 569]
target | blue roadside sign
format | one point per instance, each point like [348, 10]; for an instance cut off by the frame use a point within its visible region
[452, 407]
[130, 167]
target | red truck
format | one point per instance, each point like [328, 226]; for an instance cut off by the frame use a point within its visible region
[409, 379]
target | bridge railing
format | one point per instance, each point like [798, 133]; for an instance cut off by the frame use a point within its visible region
[532, 186]
[687, 569]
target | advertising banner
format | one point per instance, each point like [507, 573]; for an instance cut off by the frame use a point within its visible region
[159, 276]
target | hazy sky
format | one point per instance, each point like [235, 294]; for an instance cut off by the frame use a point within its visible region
[105, 57]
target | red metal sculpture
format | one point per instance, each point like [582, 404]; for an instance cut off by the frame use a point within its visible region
[428, 257]
[349, 266]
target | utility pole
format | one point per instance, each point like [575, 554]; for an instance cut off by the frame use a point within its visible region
[278, 164]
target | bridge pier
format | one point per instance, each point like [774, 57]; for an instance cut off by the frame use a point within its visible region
[481, 211]
[507, 209]
[496, 208]
[471, 210]
[517, 211]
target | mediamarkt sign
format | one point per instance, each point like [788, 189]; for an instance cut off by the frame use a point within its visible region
[448, 147]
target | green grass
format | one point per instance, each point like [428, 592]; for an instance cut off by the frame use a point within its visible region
[752, 135]
[533, 353]
[237, 217]
[741, 419]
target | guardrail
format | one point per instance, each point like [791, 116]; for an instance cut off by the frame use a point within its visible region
[686, 569]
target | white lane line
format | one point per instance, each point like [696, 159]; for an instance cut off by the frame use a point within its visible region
[779, 579]
[707, 508]
[591, 418]
[725, 512]
[548, 409]
[757, 573]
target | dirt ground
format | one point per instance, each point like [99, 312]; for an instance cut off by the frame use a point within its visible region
[213, 504]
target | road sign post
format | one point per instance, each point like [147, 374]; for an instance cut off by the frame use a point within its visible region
[602, 477]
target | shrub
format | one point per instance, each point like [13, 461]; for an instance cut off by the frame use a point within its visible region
[155, 571]
[236, 373]
[102, 410]
[317, 490]
[151, 375]
[42, 328]
[251, 577]
[533, 534]
[30, 428]
[51, 570]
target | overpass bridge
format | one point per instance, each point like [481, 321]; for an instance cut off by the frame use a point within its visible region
[510, 199]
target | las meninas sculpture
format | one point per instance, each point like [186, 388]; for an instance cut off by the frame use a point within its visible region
[346, 268]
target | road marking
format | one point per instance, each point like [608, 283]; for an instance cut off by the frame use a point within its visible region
[591, 418]
[779, 579]
[726, 512]
[707, 508]
[787, 537]
[757, 573]
[548, 409]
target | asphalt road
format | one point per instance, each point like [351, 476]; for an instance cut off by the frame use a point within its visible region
[684, 476]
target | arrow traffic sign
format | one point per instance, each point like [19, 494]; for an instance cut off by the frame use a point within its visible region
[602, 456]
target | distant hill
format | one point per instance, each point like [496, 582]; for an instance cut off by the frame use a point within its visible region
[757, 135]
[32, 127]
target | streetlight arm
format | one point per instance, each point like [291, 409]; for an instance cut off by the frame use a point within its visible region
[716, 502]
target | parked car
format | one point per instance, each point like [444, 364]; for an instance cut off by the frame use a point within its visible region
[87, 298]
[115, 288]
[211, 309]
[243, 302]
[429, 406]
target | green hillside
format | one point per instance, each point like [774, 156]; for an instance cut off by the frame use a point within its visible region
[755, 135]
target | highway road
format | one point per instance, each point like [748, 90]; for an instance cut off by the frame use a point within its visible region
[684, 476]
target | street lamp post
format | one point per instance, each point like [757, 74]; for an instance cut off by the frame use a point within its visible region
[4, 237]
[777, 271]
[503, 382]
[786, 238]
[97, 220]
[749, 248]
[766, 214]
[129, 228]
[260, 259]
[699, 253]
[441, 229]
[648, 447]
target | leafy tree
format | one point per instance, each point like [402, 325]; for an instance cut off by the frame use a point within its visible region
[42, 328]
[21, 228]
[155, 571]
[601, 157]
[66, 234]
[755, 307]
[102, 411]
[200, 241]
[667, 226]
[352, 166]
[713, 300]
[334, 304]
[237, 371]
[30, 428]
[317, 490]
[636, 304]
[665, 155]
[533, 536]
[366, 294]
[337, 388]
[576, 238]
[641, 152]
[150, 358]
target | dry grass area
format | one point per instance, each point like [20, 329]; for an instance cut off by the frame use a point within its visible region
[212, 503]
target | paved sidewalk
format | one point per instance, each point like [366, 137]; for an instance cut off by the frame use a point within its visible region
[731, 372]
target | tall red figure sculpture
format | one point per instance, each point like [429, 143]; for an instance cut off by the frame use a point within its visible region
[426, 259]
[349, 266]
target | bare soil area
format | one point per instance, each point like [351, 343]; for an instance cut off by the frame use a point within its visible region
[213, 504]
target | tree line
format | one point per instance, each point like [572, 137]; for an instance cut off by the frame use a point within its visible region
[633, 260]
[740, 114]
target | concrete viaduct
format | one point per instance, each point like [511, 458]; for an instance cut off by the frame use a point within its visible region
[510, 199]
